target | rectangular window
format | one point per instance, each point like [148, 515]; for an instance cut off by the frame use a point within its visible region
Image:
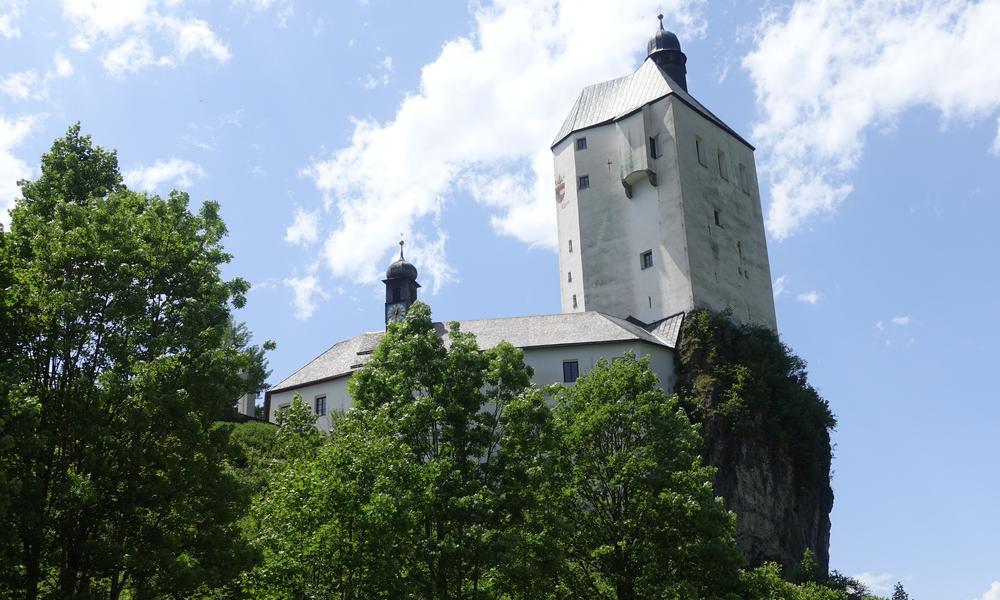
[569, 276]
[717, 220]
[699, 145]
[646, 259]
[571, 245]
[581, 143]
[320, 406]
[723, 171]
[583, 182]
[574, 300]
[744, 179]
[654, 151]
[571, 371]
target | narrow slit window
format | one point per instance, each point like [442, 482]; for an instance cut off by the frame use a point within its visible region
[699, 146]
[581, 143]
[723, 171]
[583, 182]
[569, 276]
[571, 371]
[744, 179]
[654, 151]
[571, 245]
[574, 301]
[646, 259]
[718, 220]
[650, 301]
[320, 406]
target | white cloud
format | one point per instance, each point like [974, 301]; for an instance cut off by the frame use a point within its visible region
[879, 325]
[779, 286]
[993, 593]
[22, 85]
[10, 12]
[12, 133]
[125, 31]
[876, 582]
[902, 321]
[384, 68]
[305, 228]
[178, 173]
[810, 297]
[284, 9]
[995, 148]
[307, 294]
[480, 122]
[827, 71]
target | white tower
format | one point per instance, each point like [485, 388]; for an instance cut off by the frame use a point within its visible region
[658, 206]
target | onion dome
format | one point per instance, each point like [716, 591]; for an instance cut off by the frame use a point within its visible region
[401, 269]
[664, 49]
[662, 40]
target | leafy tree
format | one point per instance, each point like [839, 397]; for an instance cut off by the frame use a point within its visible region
[898, 593]
[766, 582]
[297, 436]
[430, 487]
[118, 353]
[808, 570]
[646, 521]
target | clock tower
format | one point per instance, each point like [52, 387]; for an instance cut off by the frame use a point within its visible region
[400, 288]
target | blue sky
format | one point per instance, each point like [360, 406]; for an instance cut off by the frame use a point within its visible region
[327, 129]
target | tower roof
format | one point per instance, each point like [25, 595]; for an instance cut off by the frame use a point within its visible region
[401, 269]
[662, 40]
[609, 101]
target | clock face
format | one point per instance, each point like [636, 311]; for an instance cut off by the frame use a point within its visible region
[394, 313]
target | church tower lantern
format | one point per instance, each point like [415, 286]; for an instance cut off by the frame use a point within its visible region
[400, 288]
[657, 201]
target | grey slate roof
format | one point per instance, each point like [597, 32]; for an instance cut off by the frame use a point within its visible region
[524, 332]
[609, 101]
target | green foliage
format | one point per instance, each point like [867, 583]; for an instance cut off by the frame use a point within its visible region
[898, 593]
[118, 353]
[647, 522]
[765, 583]
[808, 570]
[297, 436]
[745, 378]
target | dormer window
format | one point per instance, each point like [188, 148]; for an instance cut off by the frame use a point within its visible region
[581, 143]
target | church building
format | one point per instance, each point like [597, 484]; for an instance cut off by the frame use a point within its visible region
[658, 214]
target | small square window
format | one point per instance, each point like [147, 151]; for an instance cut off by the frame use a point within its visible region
[723, 170]
[320, 406]
[571, 371]
[646, 259]
[717, 219]
[654, 151]
[581, 143]
[699, 145]
[583, 182]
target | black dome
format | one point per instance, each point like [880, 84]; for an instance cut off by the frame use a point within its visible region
[401, 270]
[663, 40]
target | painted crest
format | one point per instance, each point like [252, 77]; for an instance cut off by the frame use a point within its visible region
[560, 189]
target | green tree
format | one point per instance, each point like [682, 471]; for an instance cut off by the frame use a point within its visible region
[646, 523]
[765, 582]
[898, 593]
[431, 486]
[118, 353]
[808, 569]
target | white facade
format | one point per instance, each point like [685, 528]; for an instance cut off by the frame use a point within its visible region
[547, 363]
[665, 178]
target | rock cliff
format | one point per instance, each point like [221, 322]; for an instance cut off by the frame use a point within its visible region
[766, 431]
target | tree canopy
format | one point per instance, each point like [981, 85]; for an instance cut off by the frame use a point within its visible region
[118, 352]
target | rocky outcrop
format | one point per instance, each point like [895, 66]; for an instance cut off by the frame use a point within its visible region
[765, 430]
[778, 516]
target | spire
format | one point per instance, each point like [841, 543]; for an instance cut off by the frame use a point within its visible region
[665, 50]
[401, 242]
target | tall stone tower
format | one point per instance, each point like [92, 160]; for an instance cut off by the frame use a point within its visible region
[657, 200]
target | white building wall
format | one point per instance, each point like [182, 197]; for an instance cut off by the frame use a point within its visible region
[695, 263]
[546, 362]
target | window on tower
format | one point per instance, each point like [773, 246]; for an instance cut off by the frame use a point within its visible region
[654, 151]
[744, 179]
[571, 245]
[569, 276]
[571, 371]
[397, 294]
[574, 301]
[699, 145]
[583, 182]
[723, 170]
[646, 259]
[718, 221]
[581, 143]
